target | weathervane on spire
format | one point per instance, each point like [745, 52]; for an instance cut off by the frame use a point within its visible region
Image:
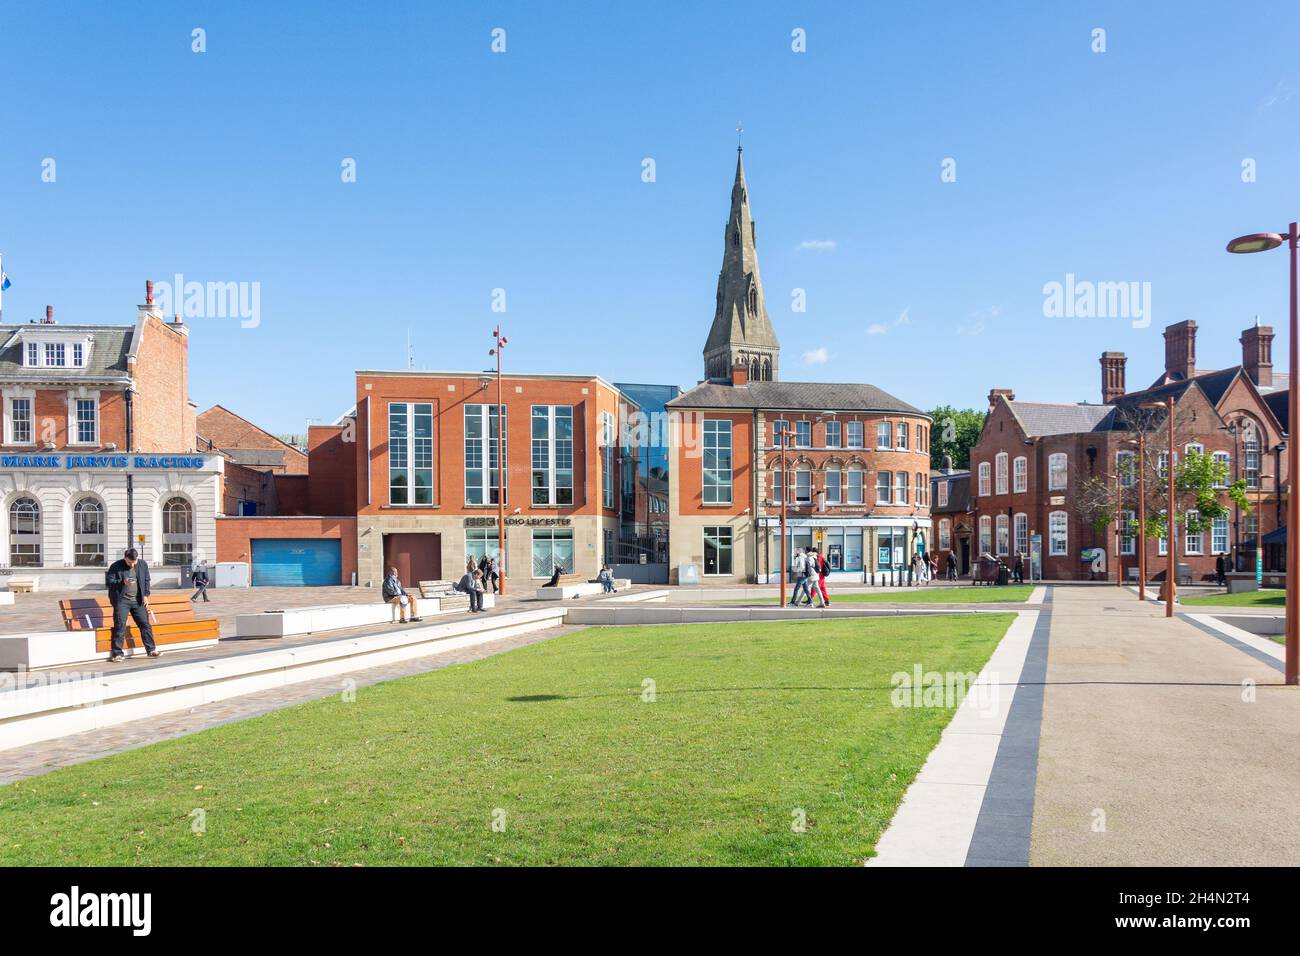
[740, 132]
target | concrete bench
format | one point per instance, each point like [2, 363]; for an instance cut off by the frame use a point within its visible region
[328, 617]
[567, 592]
[170, 613]
[24, 585]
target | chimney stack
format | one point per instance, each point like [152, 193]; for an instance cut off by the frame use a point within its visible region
[1257, 353]
[740, 374]
[49, 315]
[1112, 377]
[1005, 392]
[1180, 350]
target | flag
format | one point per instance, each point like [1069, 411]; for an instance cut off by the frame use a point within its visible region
[4, 282]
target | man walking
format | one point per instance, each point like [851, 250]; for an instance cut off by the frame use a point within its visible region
[200, 581]
[1219, 569]
[799, 570]
[823, 566]
[128, 592]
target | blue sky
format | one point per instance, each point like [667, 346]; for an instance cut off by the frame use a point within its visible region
[523, 171]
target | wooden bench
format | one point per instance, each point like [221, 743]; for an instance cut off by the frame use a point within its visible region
[437, 589]
[171, 614]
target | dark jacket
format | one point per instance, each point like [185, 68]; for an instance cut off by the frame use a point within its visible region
[115, 578]
[393, 588]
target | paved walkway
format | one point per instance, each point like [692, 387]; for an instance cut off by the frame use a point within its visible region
[1162, 742]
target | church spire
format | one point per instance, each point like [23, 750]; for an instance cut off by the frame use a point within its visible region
[741, 331]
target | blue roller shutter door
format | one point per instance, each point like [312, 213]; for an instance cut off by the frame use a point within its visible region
[296, 562]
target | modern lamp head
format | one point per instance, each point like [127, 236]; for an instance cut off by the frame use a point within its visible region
[1258, 242]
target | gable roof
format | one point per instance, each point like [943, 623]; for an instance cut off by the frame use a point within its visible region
[794, 396]
[245, 443]
[1040, 419]
[107, 361]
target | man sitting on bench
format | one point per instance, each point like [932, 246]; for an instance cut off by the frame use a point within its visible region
[128, 592]
[394, 593]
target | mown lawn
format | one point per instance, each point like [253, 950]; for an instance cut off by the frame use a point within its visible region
[1269, 597]
[750, 724]
[920, 595]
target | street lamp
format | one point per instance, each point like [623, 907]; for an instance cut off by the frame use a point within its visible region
[785, 495]
[1140, 537]
[1171, 523]
[1262, 242]
[501, 341]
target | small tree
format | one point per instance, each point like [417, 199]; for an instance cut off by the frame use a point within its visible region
[958, 430]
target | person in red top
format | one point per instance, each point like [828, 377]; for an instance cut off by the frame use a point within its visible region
[822, 567]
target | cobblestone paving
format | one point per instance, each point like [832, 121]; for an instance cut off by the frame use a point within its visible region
[35, 759]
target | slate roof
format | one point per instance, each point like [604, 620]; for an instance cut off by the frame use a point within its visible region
[794, 396]
[1277, 401]
[107, 357]
[1049, 418]
[958, 492]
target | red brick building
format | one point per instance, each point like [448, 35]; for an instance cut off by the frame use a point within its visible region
[1030, 466]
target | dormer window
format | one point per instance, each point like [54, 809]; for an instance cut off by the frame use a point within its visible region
[55, 356]
[33, 355]
[78, 355]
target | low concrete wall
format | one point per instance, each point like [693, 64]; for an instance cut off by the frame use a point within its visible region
[1265, 625]
[606, 613]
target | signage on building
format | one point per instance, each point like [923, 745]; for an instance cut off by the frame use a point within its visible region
[1057, 500]
[492, 522]
[66, 462]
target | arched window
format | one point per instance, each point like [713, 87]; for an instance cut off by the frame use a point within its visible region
[755, 369]
[1057, 471]
[767, 370]
[985, 488]
[25, 533]
[88, 533]
[1000, 460]
[178, 533]
[853, 482]
[1004, 534]
[753, 300]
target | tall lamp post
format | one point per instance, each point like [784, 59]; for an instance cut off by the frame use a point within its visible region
[1140, 537]
[1171, 522]
[1262, 242]
[785, 496]
[501, 341]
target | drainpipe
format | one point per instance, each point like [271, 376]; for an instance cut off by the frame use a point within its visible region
[130, 478]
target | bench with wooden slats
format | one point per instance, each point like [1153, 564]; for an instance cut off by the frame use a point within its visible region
[172, 616]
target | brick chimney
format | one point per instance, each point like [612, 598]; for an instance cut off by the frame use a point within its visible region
[740, 374]
[1180, 350]
[994, 393]
[1112, 377]
[1257, 353]
[49, 315]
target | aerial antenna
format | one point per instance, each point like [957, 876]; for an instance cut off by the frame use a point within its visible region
[410, 351]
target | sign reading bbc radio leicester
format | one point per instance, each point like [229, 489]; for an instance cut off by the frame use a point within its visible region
[114, 462]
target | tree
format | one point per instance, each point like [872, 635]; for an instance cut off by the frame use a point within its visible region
[958, 430]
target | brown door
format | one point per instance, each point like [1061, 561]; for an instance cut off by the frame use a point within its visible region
[417, 557]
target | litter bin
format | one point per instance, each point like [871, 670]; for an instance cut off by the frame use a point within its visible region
[1002, 574]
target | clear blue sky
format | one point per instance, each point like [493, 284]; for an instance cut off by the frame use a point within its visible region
[523, 171]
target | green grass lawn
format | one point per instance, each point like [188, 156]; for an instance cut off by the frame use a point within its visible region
[1271, 597]
[921, 595]
[750, 723]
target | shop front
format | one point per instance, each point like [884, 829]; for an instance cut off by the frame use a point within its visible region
[860, 550]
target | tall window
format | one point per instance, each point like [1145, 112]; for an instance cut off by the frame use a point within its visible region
[942, 494]
[607, 459]
[410, 453]
[882, 435]
[481, 477]
[945, 534]
[832, 434]
[985, 485]
[552, 431]
[802, 486]
[1058, 530]
[853, 485]
[803, 434]
[88, 533]
[986, 535]
[1249, 529]
[33, 355]
[853, 430]
[717, 549]
[1194, 540]
[1004, 535]
[1219, 535]
[883, 478]
[900, 488]
[552, 548]
[54, 354]
[1020, 526]
[1126, 468]
[1250, 457]
[780, 429]
[25, 533]
[480, 542]
[1000, 460]
[78, 355]
[178, 533]
[778, 486]
[1020, 475]
[87, 421]
[833, 475]
[902, 435]
[922, 489]
[717, 461]
[20, 415]
[1128, 532]
[1224, 459]
[1057, 471]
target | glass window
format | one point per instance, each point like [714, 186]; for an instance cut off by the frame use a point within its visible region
[20, 410]
[88, 533]
[178, 533]
[1126, 468]
[1128, 533]
[882, 435]
[607, 459]
[852, 549]
[54, 354]
[900, 488]
[1250, 456]
[1020, 475]
[1219, 535]
[986, 535]
[481, 542]
[33, 355]
[552, 436]
[780, 428]
[717, 461]
[985, 485]
[1004, 535]
[1058, 528]
[1057, 471]
[853, 486]
[883, 478]
[1020, 528]
[942, 494]
[1249, 529]
[945, 534]
[410, 453]
[802, 486]
[803, 434]
[78, 355]
[717, 549]
[481, 434]
[25, 533]
[854, 433]
[1193, 539]
[833, 475]
[778, 486]
[832, 434]
[902, 435]
[87, 421]
[1225, 459]
[922, 489]
[552, 548]
[1000, 461]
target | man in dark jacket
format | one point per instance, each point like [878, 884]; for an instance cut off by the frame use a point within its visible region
[396, 595]
[128, 592]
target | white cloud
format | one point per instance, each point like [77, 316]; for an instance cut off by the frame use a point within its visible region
[880, 328]
[1281, 93]
[816, 357]
[979, 320]
[816, 245]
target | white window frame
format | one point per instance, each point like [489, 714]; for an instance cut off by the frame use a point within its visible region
[941, 494]
[901, 436]
[1219, 524]
[803, 486]
[852, 495]
[1193, 542]
[1020, 533]
[1001, 461]
[986, 534]
[55, 355]
[1064, 528]
[1058, 471]
[852, 429]
[482, 452]
[552, 445]
[803, 433]
[834, 484]
[75, 428]
[985, 479]
[10, 436]
[1128, 533]
[32, 355]
[1127, 475]
[884, 483]
[945, 534]
[1020, 475]
[723, 481]
[1002, 537]
[408, 448]
[901, 480]
[884, 430]
[1226, 458]
[834, 429]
